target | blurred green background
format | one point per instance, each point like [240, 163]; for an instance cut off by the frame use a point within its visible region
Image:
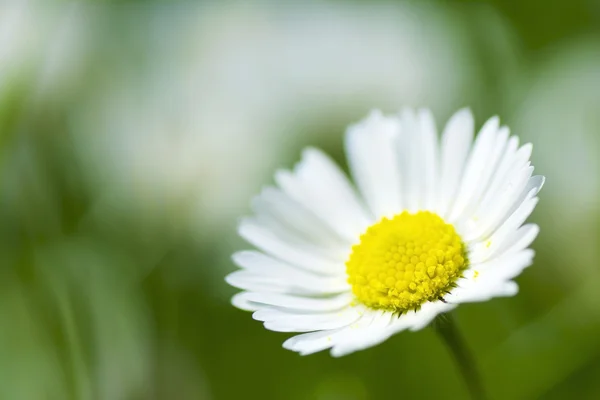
[134, 133]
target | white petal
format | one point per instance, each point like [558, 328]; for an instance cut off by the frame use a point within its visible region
[486, 291]
[522, 188]
[371, 329]
[506, 267]
[383, 325]
[293, 253]
[281, 321]
[429, 145]
[372, 157]
[428, 312]
[320, 186]
[332, 303]
[516, 242]
[418, 152]
[310, 285]
[507, 289]
[514, 160]
[517, 166]
[486, 177]
[273, 313]
[292, 236]
[411, 163]
[262, 264]
[487, 280]
[455, 145]
[240, 301]
[309, 343]
[293, 216]
[475, 169]
[487, 248]
[312, 342]
[361, 338]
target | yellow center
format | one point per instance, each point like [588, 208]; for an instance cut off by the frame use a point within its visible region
[403, 262]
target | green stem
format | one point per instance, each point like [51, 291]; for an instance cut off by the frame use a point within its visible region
[446, 328]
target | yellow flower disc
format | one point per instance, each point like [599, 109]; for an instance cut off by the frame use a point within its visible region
[403, 262]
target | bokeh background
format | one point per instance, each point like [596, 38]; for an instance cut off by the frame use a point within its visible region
[133, 135]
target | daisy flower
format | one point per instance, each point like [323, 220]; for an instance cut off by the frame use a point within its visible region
[429, 226]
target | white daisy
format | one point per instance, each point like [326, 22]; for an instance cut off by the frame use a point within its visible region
[432, 225]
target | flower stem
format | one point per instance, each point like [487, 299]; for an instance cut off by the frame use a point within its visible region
[448, 331]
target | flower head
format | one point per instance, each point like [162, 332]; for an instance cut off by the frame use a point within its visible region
[431, 226]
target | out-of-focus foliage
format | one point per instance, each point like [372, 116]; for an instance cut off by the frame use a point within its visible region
[134, 133]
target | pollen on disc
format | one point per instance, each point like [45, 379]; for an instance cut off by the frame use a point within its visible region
[403, 262]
